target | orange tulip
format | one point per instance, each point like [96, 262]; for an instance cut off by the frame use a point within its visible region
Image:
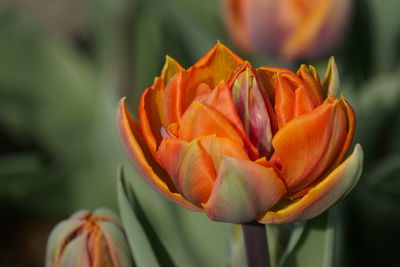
[289, 29]
[243, 144]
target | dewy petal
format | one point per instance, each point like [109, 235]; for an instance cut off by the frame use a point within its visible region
[243, 191]
[306, 145]
[171, 67]
[325, 194]
[150, 114]
[200, 120]
[190, 167]
[143, 161]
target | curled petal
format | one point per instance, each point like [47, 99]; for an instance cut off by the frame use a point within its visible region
[143, 160]
[351, 124]
[243, 191]
[308, 144]
[150, 114]
[325, 194]
[190, 168]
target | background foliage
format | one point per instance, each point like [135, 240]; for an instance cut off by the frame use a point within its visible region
[63, 67]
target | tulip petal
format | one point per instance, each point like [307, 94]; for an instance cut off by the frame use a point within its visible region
[200, 120]
[331, 82]
[325, 194]
[58, 238]
[115, 244]
[190, 167]
[267, 77]
[284, 101]
[217, 147]
[143, 160]
[243, 191]
[100, 254]
[76, 253]
[312, 84]
[150, 114]
[351, 121]
[308, 144]
[303, 103]
[171, 66]
[255, 110]
[217, 65]
[221, 100]
[173, 98]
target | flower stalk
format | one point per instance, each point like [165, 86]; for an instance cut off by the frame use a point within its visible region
[256, 245]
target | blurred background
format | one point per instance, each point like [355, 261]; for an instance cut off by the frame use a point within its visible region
[64, 64]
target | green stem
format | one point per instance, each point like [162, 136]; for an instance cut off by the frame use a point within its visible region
[255, 239]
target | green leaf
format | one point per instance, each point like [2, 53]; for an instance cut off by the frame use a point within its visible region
[295, 236]
[317, 246]
[146, 247]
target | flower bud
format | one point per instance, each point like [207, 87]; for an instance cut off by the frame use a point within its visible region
[88, 239]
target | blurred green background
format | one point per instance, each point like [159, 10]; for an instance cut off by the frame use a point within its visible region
[64, 64]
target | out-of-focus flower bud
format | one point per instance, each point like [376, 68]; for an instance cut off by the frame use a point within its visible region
[289, 29]
[88, 240]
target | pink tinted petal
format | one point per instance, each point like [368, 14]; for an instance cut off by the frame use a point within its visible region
[243, 191]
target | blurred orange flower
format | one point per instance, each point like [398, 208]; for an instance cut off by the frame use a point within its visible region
[89, 240]
[289, 29]
[243, 144]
